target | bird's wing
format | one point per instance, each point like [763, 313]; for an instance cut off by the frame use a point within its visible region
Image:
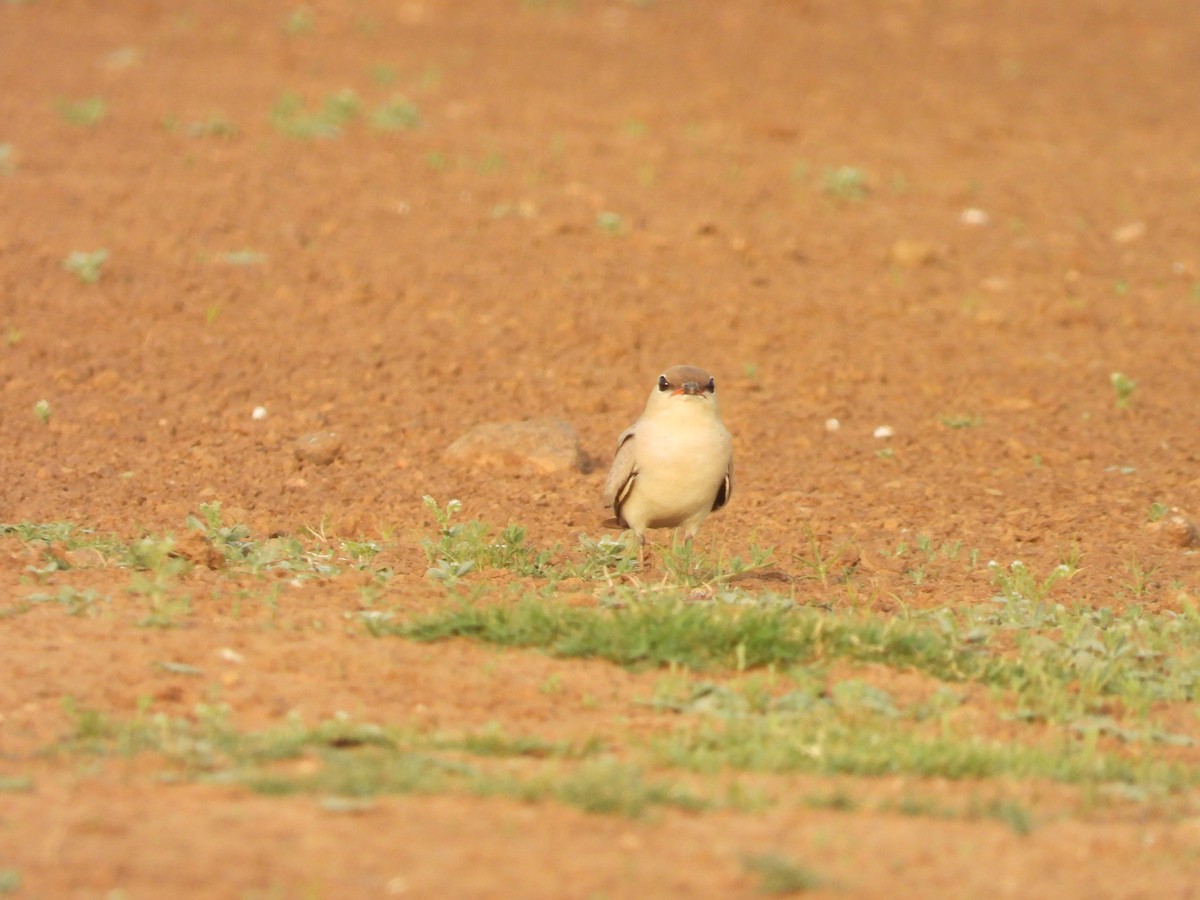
[622, 474]
[726, 489]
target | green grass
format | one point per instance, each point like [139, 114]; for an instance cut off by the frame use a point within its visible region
[291, 116]
[845, 183]
[85, 113]
[696, 636]
[1083, 695]
[831, 742]
[780, 875]
[396, 114]
[360, 760]
[1058, 665]
[299, 21]
[1123, 386]
[87, 266]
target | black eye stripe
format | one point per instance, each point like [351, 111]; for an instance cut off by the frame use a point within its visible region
[663, 384]
[712, 385]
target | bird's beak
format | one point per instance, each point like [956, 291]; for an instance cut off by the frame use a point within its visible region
[691, 388]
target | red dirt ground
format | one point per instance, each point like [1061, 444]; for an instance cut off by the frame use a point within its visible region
[597, 190]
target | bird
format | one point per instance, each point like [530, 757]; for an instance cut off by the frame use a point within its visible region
[674, 465]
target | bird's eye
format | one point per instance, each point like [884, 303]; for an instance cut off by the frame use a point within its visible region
[711, 386]
[663, 384]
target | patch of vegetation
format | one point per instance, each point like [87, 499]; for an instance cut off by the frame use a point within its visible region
[84, 113]
[961, 420]
[158, 560]
[1085, 684]
[1123, 386]
[354, 759]
[697, 636]
[828, 739]
[76, 602]
[242, 257]
[463, 547]
[299, 21]
[86, 265]
[396, 114]
[216, 125]
[292, 117]
[780, 875]
[845, 183]
[330, 117]
[611, 223]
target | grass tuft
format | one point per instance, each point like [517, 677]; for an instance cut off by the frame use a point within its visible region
[780, 875]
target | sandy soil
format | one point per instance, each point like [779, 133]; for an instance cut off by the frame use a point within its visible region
[595, 191]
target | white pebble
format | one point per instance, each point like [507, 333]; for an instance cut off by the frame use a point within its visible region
[260, 413]
[974, 216]
[832, 424]
[884, 431]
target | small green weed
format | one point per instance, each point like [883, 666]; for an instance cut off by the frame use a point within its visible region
[216, 125]
[245, 257]
[77, 602]
[611, 223]
[397, 114]
[961, 420]
[463, 547]
[780, 875]
[87, 266]
[231, 541]
[157, 581]
[1123, 386]
[291, 117]
[1013, 814]
[84, 113]
[845, 183]
[299, 21]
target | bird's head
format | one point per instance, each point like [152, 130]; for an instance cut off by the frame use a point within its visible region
[688, 384]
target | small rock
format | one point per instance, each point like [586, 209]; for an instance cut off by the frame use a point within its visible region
[974, 216]
[912, 254]
[832, 425]
[1176, 528]
[884, 431]
[259, 413]
[543, 445]
[84, 558]
[319, 449]
[1129, 232]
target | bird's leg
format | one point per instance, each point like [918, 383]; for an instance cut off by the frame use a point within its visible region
[641, 542]
[687, 550]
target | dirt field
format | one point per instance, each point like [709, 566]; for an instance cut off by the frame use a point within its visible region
[972, 223]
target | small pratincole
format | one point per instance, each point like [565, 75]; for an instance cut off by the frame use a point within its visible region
[674, 465]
